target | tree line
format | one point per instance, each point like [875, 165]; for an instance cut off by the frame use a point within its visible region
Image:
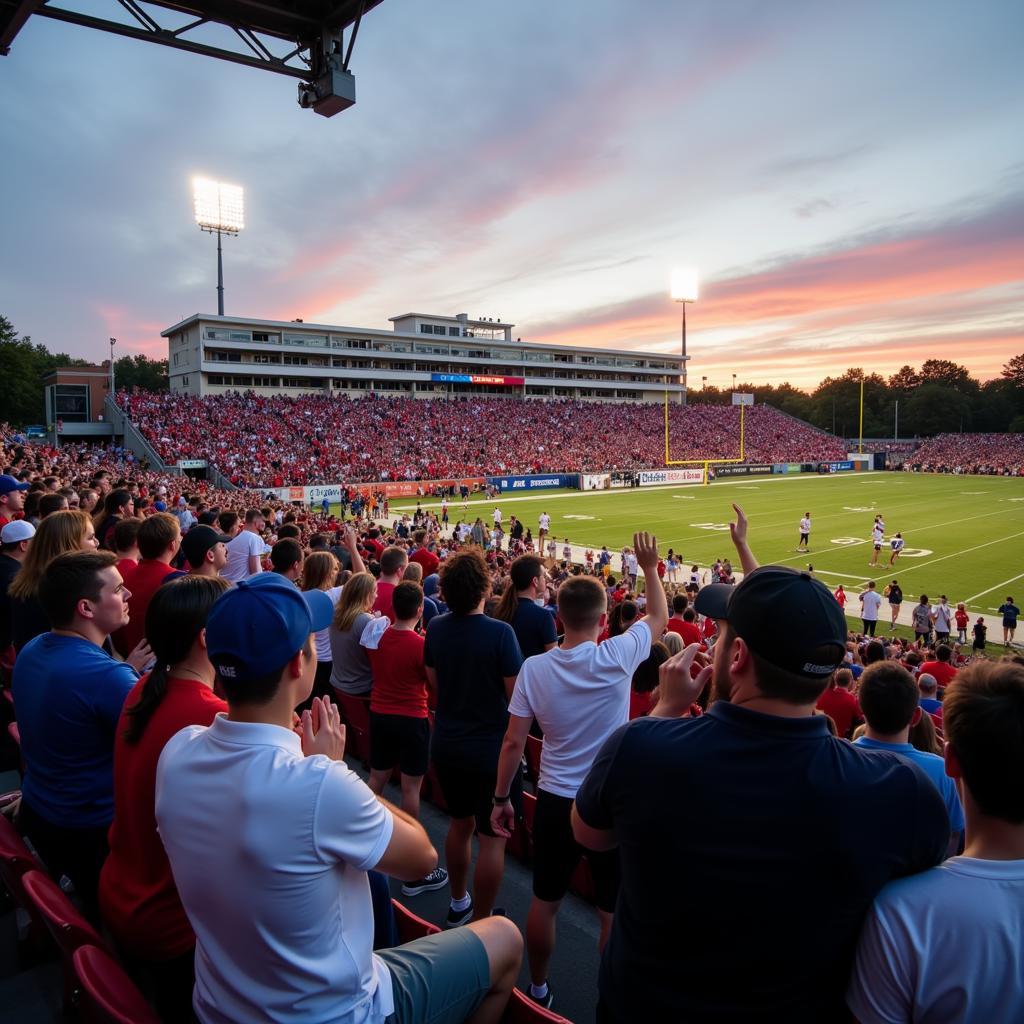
[24, 364]
[941, 396]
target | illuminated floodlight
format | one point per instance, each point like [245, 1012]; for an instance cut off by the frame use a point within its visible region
[219, 209]
[684, 284]
[218, 206]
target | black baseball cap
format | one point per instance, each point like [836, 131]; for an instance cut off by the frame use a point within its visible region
[784, 616]
[198, 541]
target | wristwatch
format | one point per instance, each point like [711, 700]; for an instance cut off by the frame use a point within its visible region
[499, 801]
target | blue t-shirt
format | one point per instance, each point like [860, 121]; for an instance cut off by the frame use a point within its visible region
[930, 704]
[472, 656]
[534, 627]
[1009, 612]
[69, 695]
[934, 767]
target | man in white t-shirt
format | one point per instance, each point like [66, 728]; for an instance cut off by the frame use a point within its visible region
[870, 602]
[877, 540]
[805, 532]
[270, 837]
[579, 694]
[544, 524]
[497, 516]
[246, 550]
[947, 945]
[942, 620]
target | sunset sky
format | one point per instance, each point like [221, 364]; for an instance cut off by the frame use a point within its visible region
[848, 178]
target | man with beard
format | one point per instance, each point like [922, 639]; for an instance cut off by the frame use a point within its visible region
[778, 834]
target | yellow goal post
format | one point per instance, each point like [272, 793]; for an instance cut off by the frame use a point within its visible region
[705, 463]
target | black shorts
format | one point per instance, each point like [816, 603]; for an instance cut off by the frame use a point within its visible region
[399, 740]
[469, 792]
[556, 854]
[805, 536]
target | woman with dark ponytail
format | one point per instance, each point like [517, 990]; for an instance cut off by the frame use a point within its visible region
[533, 625]
[138, 899]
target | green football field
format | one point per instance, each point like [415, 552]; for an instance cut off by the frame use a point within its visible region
[964, 534]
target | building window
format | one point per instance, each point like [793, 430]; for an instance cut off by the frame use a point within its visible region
[453, 332]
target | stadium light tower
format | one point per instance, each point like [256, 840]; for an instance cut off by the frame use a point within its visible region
[219, 209]
[684, 290]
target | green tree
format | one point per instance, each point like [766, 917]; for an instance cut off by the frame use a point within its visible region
[140, 371]
[22, 368]
[1013, 372]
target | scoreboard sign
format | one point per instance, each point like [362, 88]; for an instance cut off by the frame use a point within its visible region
[476, 378]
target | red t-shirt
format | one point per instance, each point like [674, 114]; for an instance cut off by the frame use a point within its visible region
[942, 670]
[126, 566]
[383, 602]
[841, 706]
[689, 631]
[137, 894]
[962, 618]
[427, 559]
[143, 584]
[399, 678]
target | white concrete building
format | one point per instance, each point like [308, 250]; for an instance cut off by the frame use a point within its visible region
[423, 357]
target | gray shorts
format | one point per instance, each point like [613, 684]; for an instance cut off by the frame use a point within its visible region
[439, 979]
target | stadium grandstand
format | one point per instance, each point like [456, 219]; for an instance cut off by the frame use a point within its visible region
[274, 441]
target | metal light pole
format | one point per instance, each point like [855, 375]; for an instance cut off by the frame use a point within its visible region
[684, 290]
[703, 383]
[113, 342]
[219, 209]
[896, 424]
[734, 382]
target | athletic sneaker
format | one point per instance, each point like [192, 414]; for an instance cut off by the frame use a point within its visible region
[459, 917]
[545, 1000]
[437, 879]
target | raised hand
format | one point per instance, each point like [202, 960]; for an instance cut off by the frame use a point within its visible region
[677, 688]
[646, 547]
[322, 731]
[141, 656]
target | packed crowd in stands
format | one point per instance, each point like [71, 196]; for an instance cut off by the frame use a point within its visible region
[988, 454]
[798, 824]
[260, 441]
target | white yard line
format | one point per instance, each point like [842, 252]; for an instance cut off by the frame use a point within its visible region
[998, 586]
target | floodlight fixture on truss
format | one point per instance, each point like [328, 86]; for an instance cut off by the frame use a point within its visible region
[312, 32]
[742, 400]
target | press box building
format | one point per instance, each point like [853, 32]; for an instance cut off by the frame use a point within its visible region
[422, 357]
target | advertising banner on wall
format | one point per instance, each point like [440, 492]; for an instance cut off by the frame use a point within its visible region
[476, 378]
[595, 481]
[671, 476]
[840, 467]
[742, 470]
[390, 488]
[538, 482]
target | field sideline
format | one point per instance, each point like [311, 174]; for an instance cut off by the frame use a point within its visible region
[964, 534]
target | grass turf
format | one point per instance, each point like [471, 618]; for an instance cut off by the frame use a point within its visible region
[964, 534]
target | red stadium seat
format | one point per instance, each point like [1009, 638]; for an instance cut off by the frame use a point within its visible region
[12, 731]
[105, 994]
[410, 925]
[533, 749]
[62, 920]
[523, 1010]
[16, 860]
[356, 713]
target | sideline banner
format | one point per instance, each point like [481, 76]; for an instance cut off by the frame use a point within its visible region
[595, 481]
[316, 493]
[671, 476]
[742, 470]
[538, 482]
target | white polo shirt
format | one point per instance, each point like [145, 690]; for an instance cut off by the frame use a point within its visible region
[269, 851]
[579, 698]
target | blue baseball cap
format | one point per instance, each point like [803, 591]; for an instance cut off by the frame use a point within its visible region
[259, 625]
[9, 483]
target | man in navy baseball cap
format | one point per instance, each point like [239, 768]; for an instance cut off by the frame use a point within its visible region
[260, 628]
[12, 498]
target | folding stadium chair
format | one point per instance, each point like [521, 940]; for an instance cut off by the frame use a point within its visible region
[105, 994]
[410, 925]
[523, 1010]
[67, 927]
[16, 860]
[520, 845]
[356, 713]
[533, 749]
